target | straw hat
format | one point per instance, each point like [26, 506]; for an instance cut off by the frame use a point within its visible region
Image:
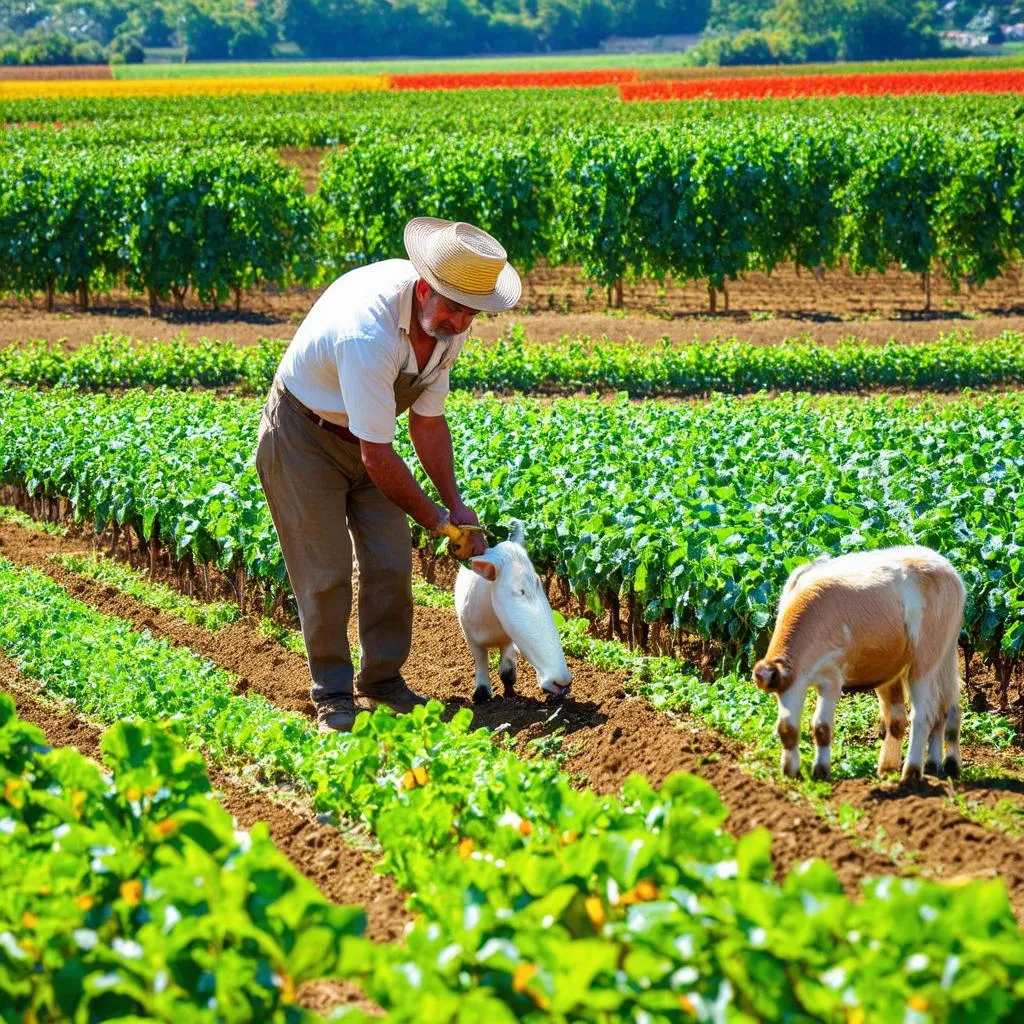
[463, 263]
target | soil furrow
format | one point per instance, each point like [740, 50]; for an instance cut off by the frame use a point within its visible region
[341, 872]
[608, 734]
[614, 733]
[560, 301]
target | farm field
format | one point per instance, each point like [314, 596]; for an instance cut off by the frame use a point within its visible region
[648, 63]
[832, 362]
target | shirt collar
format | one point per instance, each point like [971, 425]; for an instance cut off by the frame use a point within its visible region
[405, 307]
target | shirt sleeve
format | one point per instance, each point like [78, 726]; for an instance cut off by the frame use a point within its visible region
[431, 402]
[367, 374]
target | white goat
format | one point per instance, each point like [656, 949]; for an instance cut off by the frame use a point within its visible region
[887, 621]
[501, 603]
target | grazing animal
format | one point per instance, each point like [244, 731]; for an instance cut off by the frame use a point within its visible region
[501, 603]
[887, 621]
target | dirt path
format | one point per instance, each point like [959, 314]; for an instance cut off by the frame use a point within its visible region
[764, 309]
[343, 873]
[609, 734]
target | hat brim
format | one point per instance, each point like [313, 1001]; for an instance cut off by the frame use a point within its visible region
[507, 289]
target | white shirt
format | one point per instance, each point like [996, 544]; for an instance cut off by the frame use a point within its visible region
[349, 351]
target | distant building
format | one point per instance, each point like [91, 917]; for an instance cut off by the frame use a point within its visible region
[649, 44]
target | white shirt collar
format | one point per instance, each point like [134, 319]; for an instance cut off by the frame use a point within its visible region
[405, 307]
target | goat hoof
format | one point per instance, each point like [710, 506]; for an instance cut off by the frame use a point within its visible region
[951, 766]
[481, 695]
[931, 768]
[821, 773]
[911, 773]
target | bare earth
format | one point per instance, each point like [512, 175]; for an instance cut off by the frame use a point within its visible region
[763, 310]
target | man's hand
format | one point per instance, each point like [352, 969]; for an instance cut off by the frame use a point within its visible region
[463, 515]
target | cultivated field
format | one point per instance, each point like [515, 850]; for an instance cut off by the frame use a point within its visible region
[752, 332]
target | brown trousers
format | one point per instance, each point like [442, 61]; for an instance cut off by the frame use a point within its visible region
[319, 493]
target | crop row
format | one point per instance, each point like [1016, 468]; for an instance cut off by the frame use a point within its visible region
[679, 518]
[978, 80]
[327, 119]
[655, 202]
[694, 204]
[538, 901]
[514, 363]
[109, 885]
[226, 85]
[783, 86]
[159, 221]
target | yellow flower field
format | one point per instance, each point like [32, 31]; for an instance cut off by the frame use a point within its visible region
[213, 86]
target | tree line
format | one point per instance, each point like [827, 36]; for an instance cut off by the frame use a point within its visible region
[736, 31]
[51, 30]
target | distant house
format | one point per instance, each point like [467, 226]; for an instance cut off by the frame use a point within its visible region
[649, 44]
[964, 39]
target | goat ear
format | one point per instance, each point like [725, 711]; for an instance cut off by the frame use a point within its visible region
[517, 532]
[485, 567]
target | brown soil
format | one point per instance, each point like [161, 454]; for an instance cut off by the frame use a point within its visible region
[344, 874]
[609, 734]
[308, 163]
[763, 310]
[53, 72]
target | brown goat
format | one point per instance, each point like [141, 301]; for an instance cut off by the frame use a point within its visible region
[887, 621]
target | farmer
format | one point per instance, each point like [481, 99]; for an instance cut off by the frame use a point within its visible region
[380, 340]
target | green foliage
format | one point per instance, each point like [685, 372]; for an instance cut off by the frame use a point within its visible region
[216, 221]
[674, 527]
[699, 195]
[514, 363]
[504, 187]
[798, 31]
[133, 895]
[13, 515]
[220, 29]
[536, 900]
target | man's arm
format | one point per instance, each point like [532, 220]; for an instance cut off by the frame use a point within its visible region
[433, 443]
[397, 484]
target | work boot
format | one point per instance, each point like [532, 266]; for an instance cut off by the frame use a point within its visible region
[394, 692]
[337, 714]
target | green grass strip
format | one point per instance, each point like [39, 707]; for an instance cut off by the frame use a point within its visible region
[537, 901]
[13, 515]
[210, 615]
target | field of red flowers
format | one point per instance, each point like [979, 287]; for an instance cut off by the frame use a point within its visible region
[795, 86]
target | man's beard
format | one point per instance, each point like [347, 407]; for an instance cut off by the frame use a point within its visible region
[443, 337]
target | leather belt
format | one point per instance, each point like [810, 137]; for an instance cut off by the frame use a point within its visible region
[335, 428]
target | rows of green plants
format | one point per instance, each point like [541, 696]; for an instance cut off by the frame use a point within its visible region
[538, 901]
[110, 880]
[161, 221]
[514, 363]
[620, 201]
[686, 202]
[330, 119]
[684, 517]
